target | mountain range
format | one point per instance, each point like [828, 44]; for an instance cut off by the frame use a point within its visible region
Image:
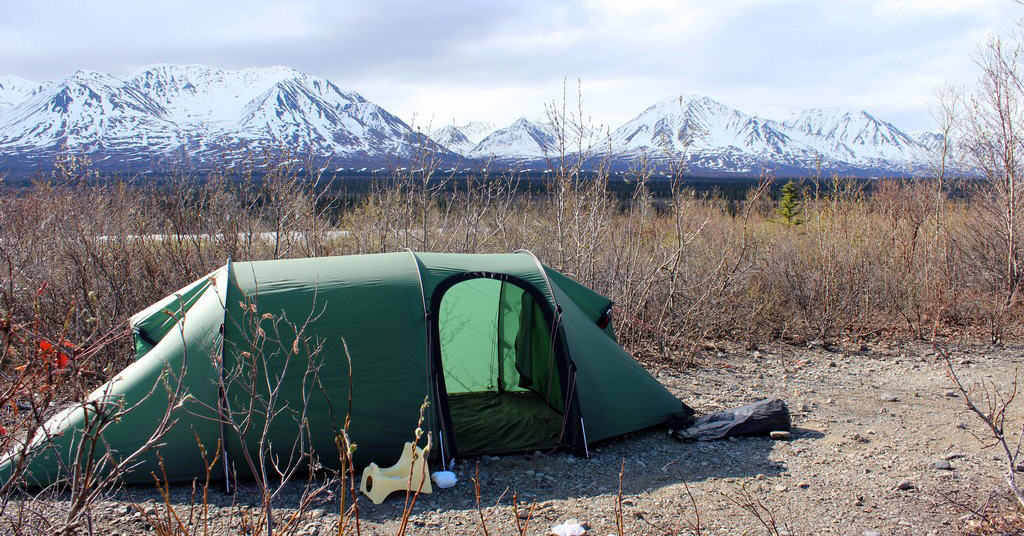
[171, 115]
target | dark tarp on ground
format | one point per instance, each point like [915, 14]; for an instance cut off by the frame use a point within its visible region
[759, 418]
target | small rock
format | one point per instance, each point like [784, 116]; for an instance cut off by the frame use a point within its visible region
[905, 485]
[953, 456]
[889, 397]
[865, 348]
[757, 354]
[780, 488]
[941, 465]
[952, 394]
[961, 426]
[805, 407]
[781, 435]
[803, 485]
[872, 533]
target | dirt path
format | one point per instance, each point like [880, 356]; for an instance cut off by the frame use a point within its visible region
[837, 476]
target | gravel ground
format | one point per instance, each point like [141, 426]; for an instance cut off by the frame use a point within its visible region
[865, 420]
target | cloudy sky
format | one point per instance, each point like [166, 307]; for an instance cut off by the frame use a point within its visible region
[444, 60]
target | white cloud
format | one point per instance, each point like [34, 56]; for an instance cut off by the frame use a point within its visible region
[466, 59]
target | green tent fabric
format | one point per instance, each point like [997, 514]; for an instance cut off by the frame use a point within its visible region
[509, 354]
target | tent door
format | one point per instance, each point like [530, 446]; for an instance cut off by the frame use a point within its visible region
[501, 376]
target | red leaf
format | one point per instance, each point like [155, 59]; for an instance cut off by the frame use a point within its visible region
[45, 345]
[3, 430]
[62, 360]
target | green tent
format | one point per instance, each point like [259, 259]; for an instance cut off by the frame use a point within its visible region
[511, 355]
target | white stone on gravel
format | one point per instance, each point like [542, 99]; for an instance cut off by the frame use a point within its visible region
[889, 397]
[781, 435]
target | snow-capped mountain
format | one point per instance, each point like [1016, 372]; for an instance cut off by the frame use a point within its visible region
[90, 112]
[717, 138]
[712, 135]
[162, 114]
[213, 116]
[462, 138]
[522, 140]
[932, 141]
[854, 137]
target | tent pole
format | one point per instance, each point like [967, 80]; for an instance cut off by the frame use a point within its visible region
[222, 395]
[586, 449]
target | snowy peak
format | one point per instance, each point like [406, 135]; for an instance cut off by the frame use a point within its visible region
[15, 90]
[853, 136]
[716, 137]
[932, 141]
[87, 110]
[462, 138]
[694, 123]
[313, 115]
[523, 139]
[200, 94]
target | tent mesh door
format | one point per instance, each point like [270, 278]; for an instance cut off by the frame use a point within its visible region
[503, 388]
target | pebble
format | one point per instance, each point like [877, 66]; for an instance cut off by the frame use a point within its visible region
[805, 407]
[953, 456]
[942, 465]
[780, 488]
[889, 397]
[952, 394]
[803, 485]
[905, 485]
[781, 435]
[872, 533]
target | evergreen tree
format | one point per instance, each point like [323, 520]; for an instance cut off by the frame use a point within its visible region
[789, 209]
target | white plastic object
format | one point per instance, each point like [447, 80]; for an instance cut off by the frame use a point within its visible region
[444, 479]
[410, 473]
[570, 528]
